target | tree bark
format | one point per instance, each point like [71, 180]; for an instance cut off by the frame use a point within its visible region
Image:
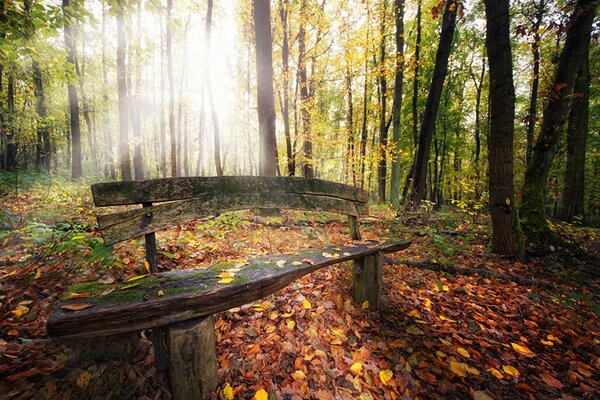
[208, 86]
[577, 131]
[433, 101]
[136, 123]
[110, 167]
[397, 107]
[124, 157]
[383, 127]
[73, 101]
[506, 233]
[307, 147]
[535, 81]
[264, 83]
[285, 107]
[415, 96]
[533, 211]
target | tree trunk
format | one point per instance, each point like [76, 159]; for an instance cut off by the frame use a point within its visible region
[433, 101]
[73, 101]
[397, 108]
[136, 123]
[383, 129]
[533, 211]
[11, 140]
[264, 84]
[171, 80]
[106, 122]
[535, 81]
[479, 89]
[307, 167]
[363, 131]
[415, 96]
[124, 158]
[506, 232]
[285, 107]
[350, 148]
[577, 131]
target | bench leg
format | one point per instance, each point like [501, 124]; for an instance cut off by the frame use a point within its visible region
[367, 280]
[192, 359]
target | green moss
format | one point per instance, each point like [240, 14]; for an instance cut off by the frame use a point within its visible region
[88, 287]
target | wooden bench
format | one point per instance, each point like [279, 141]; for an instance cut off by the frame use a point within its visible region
[178, 306]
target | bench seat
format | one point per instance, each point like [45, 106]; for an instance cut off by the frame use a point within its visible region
[166, 298]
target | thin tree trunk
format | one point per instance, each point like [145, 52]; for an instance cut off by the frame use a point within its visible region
[106, 120]
[383, 130]
[208, 86]
[397, 107]
[73, 101]
[124, 158]
[577, 131]
[285, 108]
[87, 117]
[11, 140]
[264, 84]
[533, 211]
[171, 80]
[363, 130]
[350, 148]
[163, 121]
[415, 96]
[535, 81]
[506, 232]
[433, 101]
[307, 147]
[182, 148]
[479, 89]
[136, 124]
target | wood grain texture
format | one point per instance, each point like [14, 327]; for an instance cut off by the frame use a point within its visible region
[125, 225]
[367, 280]
[171, 189]
[193, 294]
[192, 359]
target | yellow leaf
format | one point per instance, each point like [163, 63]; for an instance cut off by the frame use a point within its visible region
[290, 324]
[509, 369]
[356, 367]
[507, 201]
[130, 286]
[447, 343]
[160, 293]
[261, 395]
[547, 342]
[385, 375]
[296, 263]
[306, 304]
[274, 315]
[553, 338]
[20, 311]
[414, 313]
[226, 280]
[445, 288]
[522, 350]
[83, 379]
[228, 392]
[226, 275]
[496, 373]
[258, 307]
[337, 331]
[365, 304]
[281, 263]
[327, 255]
[135, 278]
[463, 352]
[413, 330]
[459, 369]
[147, 266]
[428, 304]
[443, 318]
[38, 274]
[298, 375]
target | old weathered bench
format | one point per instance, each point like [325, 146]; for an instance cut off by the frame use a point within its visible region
[178, 305]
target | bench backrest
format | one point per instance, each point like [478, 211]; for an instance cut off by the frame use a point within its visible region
[181, 200]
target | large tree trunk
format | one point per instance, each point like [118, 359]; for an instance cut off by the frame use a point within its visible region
[506, 233]
[433, 101]
[415, 88]
[124, 158]
[285, 106]
[307, 167]
[264, 83]
[535, 81]
[577, 131]
[397, 108]
[533, 211]
[172, 133]
[73, 101]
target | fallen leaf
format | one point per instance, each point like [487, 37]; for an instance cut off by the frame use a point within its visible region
[356, 367]
[228, 392]
[138, 277]
[327, 255]
[413, 330]
[496, 373]
[130, 286]
[298, 375]
[463, 352]
[509, 369]
[76, 306]
[19, 311]
[146, 266]
[160, 293]
[460, 369]
[522, 350]
[365, 304]
[83, 379]
[261, 395]
[226, 280]
[296, 263]
[551, 381]
[306, 304]
[385, 375]
[281, 263]
[290, 324]
[482, 395]
[443, 318]
[79, 295]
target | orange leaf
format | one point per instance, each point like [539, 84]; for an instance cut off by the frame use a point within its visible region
[551, 381]
[76, 306]
[523, 350]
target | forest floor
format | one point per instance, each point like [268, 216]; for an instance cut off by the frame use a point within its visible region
[457, 322]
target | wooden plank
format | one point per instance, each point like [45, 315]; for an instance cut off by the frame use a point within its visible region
[133, 223]
[192, 359]
[367, 280]
[192, 294]
[171, 189]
